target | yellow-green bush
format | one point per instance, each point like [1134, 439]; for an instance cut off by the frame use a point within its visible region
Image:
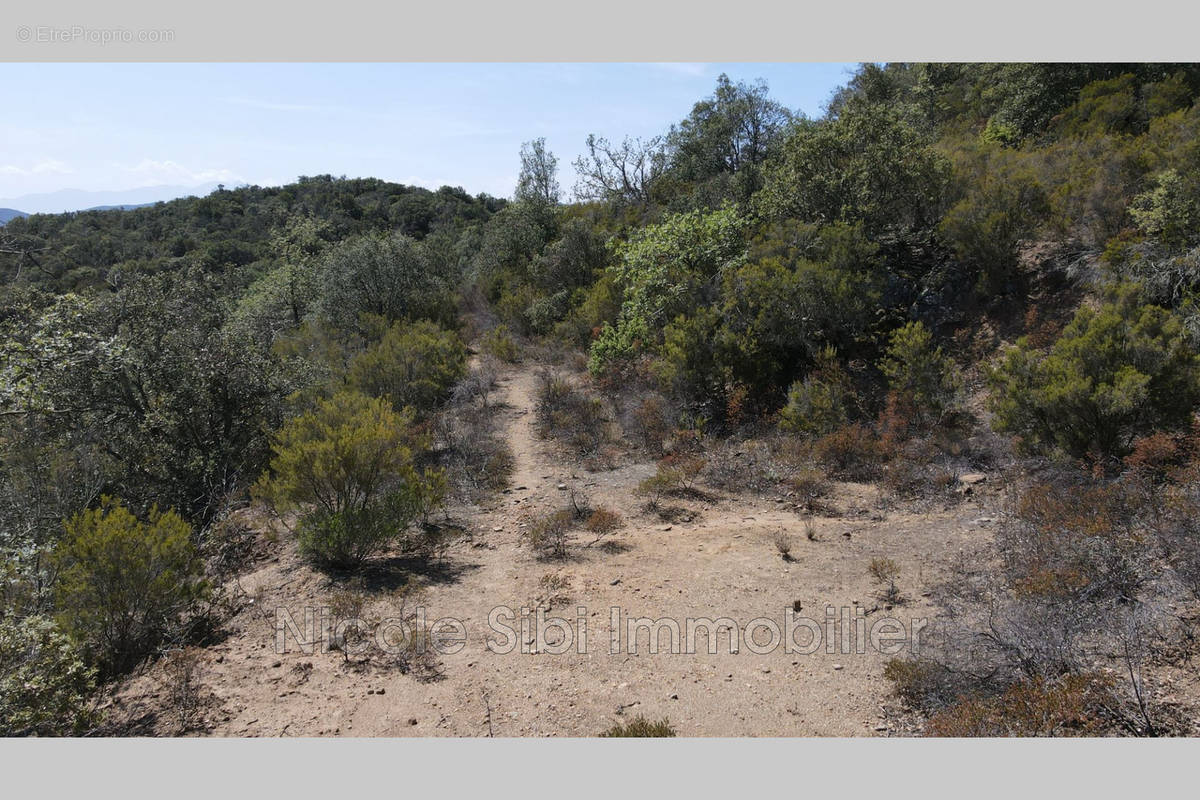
[347, 466]
[125, 585]
[413, 365]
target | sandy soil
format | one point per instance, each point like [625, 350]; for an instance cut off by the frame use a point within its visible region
[720, 564]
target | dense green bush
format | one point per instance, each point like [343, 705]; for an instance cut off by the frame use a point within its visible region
[124, 585]
[665, 270]
[869, 164]
[819, 404]
[917, 370]
[1116, 372]
[1001, 205]
[386, 276]
[413, 365]
[44, 684]
[347, 467]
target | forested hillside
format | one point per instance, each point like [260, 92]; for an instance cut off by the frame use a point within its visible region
[957, 269]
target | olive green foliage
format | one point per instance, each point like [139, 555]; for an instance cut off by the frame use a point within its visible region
[285, 295]
[820, 403]
[499, 343]
[538, 180]
[867, 165]
[126, 585]
[803, 289]
[177, 397]
[717, 153]
[347, 467]
[1116, 372]
[665, 270]
[44, 685]
[230, 232]
[1001, 205]
[918, 370]
[386, 276]
[413, 365]
[1170, 210]
[640, 727]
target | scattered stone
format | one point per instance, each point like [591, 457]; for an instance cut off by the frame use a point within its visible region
[674, 697]
[614, 581]
[837, 666]
[497, 528]
[561, 486]
[881, 727]
[380, 691]
[972, 478]
[412, 721]
[277, 664]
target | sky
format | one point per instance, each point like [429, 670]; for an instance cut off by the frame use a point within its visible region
[115, 127]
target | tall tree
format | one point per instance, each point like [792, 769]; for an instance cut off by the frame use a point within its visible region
[539, 168]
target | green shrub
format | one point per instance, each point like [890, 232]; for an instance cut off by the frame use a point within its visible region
[1001, 206]
[1116, 372]
[347, 466]
[124, 586]
[640, 727]
[412, 365]
[817, 405]
[919, 371]
[1169, 211]
[386, 276]
[44, 685]
[499, 343]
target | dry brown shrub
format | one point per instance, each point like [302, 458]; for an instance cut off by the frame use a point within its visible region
[1073, 705]
[851, 453]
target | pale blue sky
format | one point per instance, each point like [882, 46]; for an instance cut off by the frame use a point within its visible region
[120, 126]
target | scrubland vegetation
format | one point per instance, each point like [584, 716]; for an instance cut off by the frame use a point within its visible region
[958, 269]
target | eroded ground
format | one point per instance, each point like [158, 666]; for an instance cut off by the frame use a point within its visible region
[718, 560]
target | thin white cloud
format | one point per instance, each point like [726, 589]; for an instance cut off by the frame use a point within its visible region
[46, 166]
[687, 69]
[150, 172]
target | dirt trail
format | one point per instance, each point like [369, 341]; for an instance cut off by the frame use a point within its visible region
[720, 564]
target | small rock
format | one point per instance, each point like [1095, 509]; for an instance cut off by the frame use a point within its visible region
[614, 581]
[674, 697]
[972, 478]
[561, 486]
[881, 727]
[380, 691]
[837, 666]
[277, 664]
[412, 721]
[497, 528]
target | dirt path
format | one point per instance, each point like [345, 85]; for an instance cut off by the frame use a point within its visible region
[720, 564]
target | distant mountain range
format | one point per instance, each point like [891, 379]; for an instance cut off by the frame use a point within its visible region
[80, 200]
